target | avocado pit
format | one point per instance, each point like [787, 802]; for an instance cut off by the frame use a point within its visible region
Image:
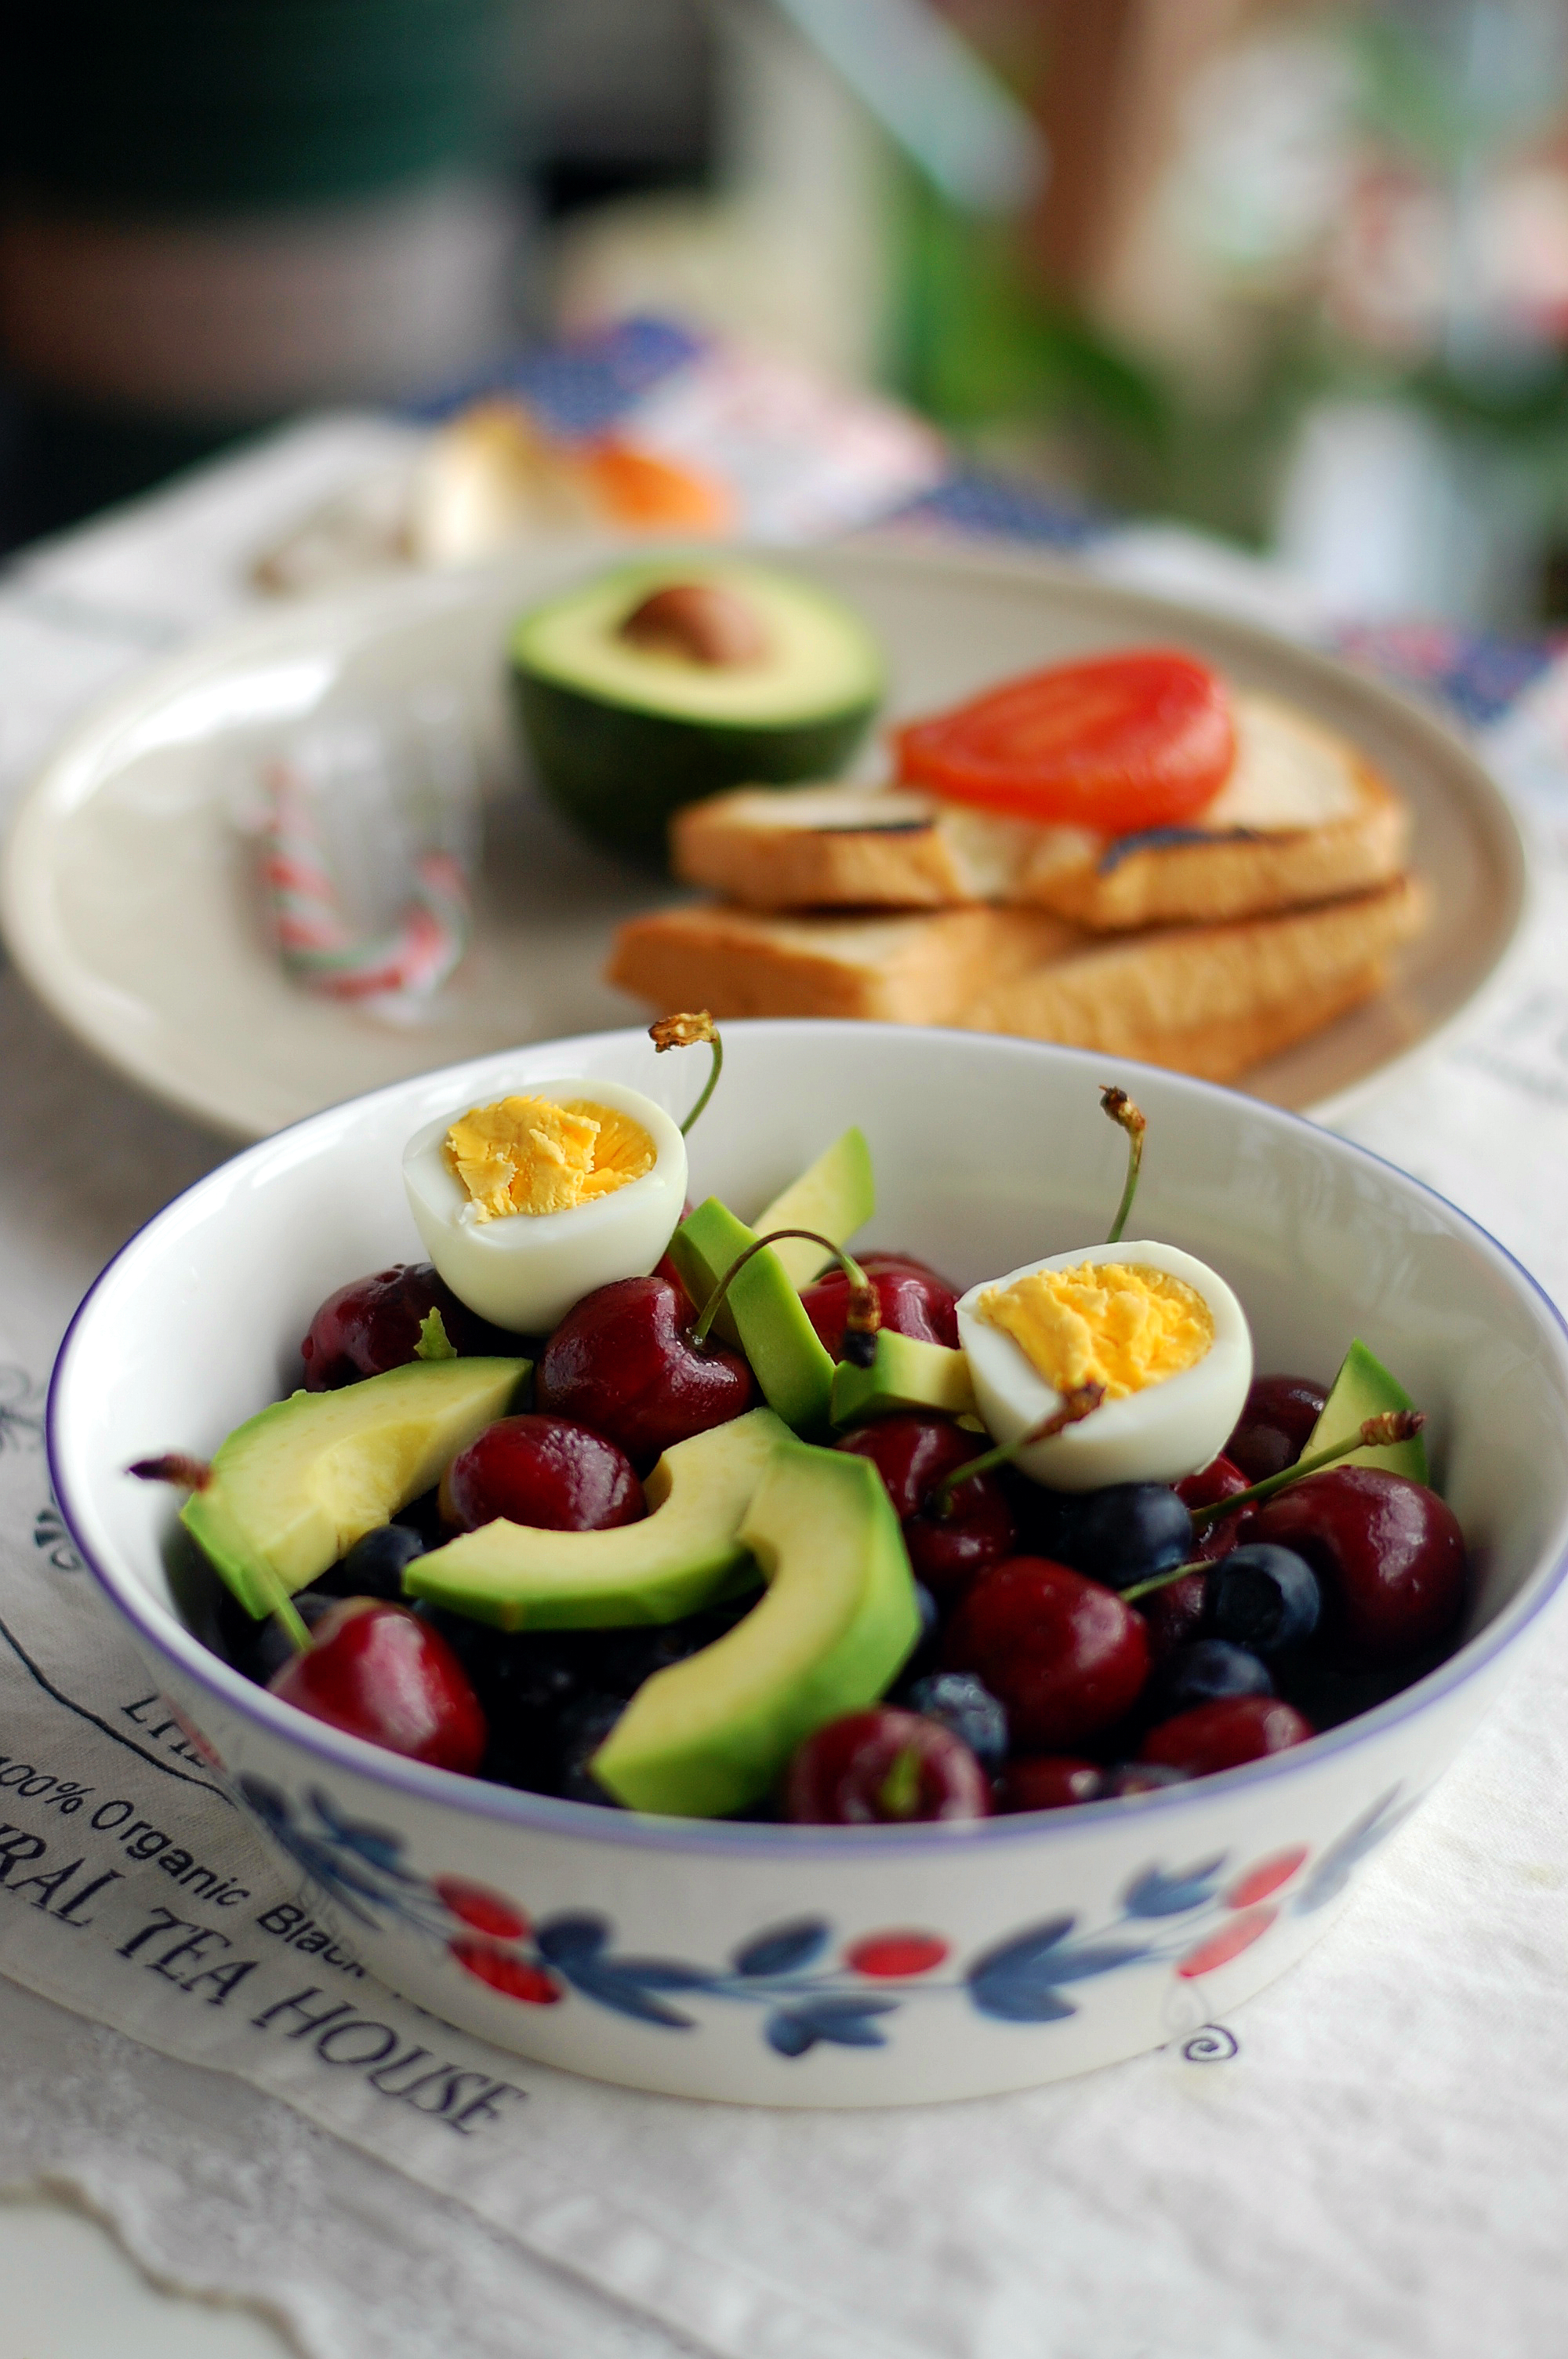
[700, 622]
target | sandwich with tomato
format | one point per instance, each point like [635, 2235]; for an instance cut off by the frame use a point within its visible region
[1124, 854]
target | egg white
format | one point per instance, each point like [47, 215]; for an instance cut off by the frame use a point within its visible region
[1158, 1435]
[527, 1269]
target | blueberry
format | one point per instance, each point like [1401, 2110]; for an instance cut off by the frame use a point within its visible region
[423, 1515]
[622, 1659]
[1205, 1671]
[966, 1705]
[1140, 1778]
[580, 1731]
[1124, 1533]
[1262, 1597]
[261, 1648]
[373, 1566]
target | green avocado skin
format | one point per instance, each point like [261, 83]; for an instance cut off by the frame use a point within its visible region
[617, 774]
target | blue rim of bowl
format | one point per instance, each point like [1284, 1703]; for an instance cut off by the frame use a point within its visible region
[552, 1815]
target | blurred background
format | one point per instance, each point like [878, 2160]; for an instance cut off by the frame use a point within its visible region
[1293, 274]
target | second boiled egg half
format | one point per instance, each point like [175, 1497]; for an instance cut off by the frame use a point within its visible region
[528, 1201]
[1158, 1328]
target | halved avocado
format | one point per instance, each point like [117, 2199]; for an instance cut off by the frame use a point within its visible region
[300, 1482]
[621, 734]
[681, 1556]
[710, 1734]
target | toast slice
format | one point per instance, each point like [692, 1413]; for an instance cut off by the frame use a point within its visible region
[1203, 999]
[894, 969]
[1303, 818]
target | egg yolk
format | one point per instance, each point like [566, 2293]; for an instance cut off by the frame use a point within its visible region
[528, 1155]
[1109, 1324]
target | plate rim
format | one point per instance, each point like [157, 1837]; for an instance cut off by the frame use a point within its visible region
[76, 766]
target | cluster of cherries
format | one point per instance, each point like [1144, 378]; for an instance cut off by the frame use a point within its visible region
[1075, 1647]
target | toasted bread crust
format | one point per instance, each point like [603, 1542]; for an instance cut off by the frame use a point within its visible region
[1205, 999]
[1231, 876]
[736, 843]
[1195, 982]
[900, 970]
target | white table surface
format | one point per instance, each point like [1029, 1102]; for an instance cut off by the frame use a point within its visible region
[71, 2293]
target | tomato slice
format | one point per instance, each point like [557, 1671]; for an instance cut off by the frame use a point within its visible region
[1117, 744]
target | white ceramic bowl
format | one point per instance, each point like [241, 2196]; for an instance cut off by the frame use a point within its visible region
[788, 1965]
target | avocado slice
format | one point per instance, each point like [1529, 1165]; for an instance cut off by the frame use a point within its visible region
[684, 1553]
[710, 1734]
[835, 1195]
[622, 734]
[906, 1372]
[788, 1357]
[1364, 1388]
[296, 1485]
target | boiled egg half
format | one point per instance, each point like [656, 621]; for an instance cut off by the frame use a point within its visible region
[530, 1201]
[1163, 1334]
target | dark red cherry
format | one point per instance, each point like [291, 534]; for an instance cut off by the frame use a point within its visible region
[1272, 1430]
[664, 1268]
[1389, 1553]
[878, 1260]
[1062, 1652]
[372, 1325]
[1220, 1735]
[1216, 1481]
[1047, 1781]
[882, 1767]
[621, 1360]
[911, 1303]
[544, 1471]
[912, 1452]
[977, 1532]
[1174, 1614]
[380, 1672]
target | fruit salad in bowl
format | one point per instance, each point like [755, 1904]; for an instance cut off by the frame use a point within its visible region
[817, 1568]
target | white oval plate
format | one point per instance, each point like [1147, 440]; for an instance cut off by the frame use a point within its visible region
[129, 899]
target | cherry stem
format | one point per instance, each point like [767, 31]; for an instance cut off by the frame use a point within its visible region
[691, 1031]
[187, 1473]
[1164, 1580]
[899, 1793]
[176, 1466]
[1395, 1425]
[1079, 1402]
[864, 1316]
[1119, 1106]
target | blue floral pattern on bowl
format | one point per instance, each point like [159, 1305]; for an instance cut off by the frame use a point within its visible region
[809, 1988]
